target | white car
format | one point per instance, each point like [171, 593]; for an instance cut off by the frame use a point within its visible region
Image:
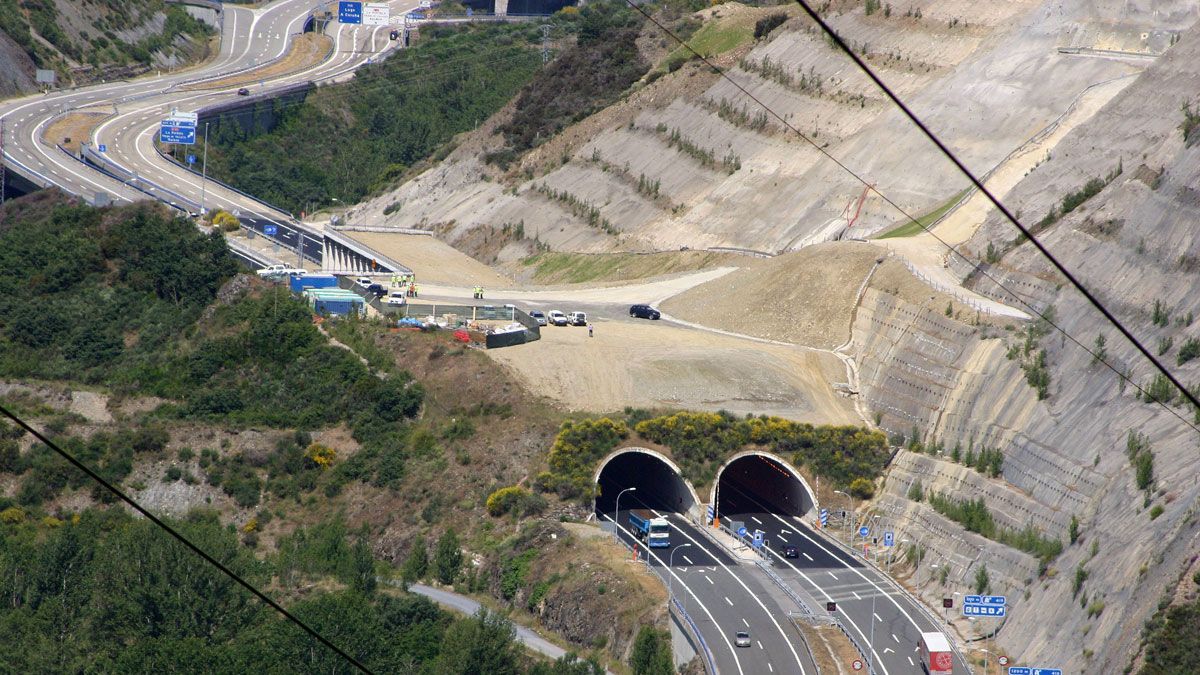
[279, 270]
[742, 639]
[363, 281]
[538, 316]
[556, 318]
[395, 298]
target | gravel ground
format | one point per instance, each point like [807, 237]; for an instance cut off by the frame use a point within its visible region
[805, 297]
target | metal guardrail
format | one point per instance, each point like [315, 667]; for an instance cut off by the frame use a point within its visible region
[229, 187]
[709, 662]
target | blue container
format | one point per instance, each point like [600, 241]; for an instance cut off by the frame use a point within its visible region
[338, 306]
[299, 283]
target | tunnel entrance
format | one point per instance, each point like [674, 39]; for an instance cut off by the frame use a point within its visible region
[658, 483]
[758, 482]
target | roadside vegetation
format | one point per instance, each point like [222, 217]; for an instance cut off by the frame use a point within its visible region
[701, 441]
[975, 516]
[925, 221]
[346, 141]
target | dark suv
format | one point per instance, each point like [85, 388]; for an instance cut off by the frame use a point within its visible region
[644, 312]
[377, 290]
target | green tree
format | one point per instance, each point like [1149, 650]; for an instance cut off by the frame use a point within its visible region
[416, 564]
[363, 571]
[1073, 529]
[651, 653]
[862, 488]
[484, 644]
[982, 582]
[447, 558]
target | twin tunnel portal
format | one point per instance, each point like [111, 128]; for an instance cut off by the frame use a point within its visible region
[747, 485]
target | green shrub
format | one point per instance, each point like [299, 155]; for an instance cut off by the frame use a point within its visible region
[1156, 511]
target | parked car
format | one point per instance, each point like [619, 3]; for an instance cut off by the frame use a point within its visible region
[538, 316]
[243, 92]
[577, 319]
[742, 639]
[364, 281]
[396, 298]
[377, 290]
[279, 270]
[644, 312]
[557, 318]
[791, 552]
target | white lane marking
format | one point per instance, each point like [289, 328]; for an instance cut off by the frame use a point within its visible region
[810, 558]
[760, 645]
[707, 579]
[781, 537]
[746, 622]
[689, 560]
[759, 602]
[756, 520]
[889, 650]
[770, 667]
[831, 574]
[911, 662]
[728, 601]
[856, 595]
[895, 638]
[650, 552]
[878, 619]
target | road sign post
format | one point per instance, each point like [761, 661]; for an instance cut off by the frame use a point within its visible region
[824, 518]
[102, 148]
[270, 230]
[376, 14]
[350, 12]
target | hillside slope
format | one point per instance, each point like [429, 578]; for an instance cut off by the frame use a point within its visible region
[683, 161]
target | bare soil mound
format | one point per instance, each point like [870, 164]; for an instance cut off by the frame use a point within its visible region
[805, 297]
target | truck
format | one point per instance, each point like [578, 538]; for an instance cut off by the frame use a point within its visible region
[936, 656]
[654, 530]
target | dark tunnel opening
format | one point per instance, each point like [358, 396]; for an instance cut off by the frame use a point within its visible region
[757, 483]
[657, 485]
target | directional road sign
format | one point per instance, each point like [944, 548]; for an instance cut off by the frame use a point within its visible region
[864, 531]
[191, 159]
[741, 531]
[103, 148]
[972, 609]
[1020, 670]
[376, 14]
[1047, 671]
[178, 128]
[824, 517]
[708, 512]
[350, 12]
[986, 599]
[888, 539]
[270, 230]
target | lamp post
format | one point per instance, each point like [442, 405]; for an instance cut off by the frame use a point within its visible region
[849, 515]
[204, 170]
[670, 567]
[954, 595]
[871, 640]
[987, 662]
[617, 512]
[905, 541]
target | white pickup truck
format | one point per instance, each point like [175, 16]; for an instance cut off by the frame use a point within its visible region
[279, 270]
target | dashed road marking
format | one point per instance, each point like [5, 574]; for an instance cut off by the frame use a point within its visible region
[832, 575]
[746, 622]
[707, 579]
[878, 619]
[810, 558]
[856, 595]
[689, 560]
[728, 601]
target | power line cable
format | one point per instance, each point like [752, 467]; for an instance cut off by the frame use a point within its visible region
[1049, 321]
[180, 538]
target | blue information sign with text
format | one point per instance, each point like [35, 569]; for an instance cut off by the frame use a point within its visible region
[350, 12]
[177, 133]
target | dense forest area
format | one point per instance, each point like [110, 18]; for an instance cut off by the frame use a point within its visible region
[346, 140]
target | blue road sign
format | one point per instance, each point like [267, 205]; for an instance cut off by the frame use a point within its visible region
[349, 12]
[1047, 671]
[470, 12]
[972, 609]
[709, 513]
[170, 132]
[1020, 670]
[191, 159]
[103, 148]
[986, 599]
[888, 539]
[741, 531]
[824, 517]
[864, 531]
[758, 538]
[270, 230]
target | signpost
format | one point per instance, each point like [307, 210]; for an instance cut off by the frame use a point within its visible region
[741, 531]
[376, 14]
[1026, 670]
[857, 665]
[824, 517]
[864, 531]
[102, 148]
[1002, 660]
[984, 605]
[191, 159]
[350, 12]
[708, 513]
[178, 128]
[888, 539]
[270, 230]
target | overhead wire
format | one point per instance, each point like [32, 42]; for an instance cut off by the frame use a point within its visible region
[234, 576]
[1041, 315]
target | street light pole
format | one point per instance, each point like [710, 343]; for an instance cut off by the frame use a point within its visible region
[987, 662]
[848, 515]
[617, 512]
[871, 640]
[670, 568]
[204, 170]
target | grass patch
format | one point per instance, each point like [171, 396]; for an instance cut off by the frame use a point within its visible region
[570, 268]
[916, 227]
[715, 37]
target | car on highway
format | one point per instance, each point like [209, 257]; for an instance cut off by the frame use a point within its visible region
[279, 270]
[644, 312]
[243, 92]
[538, 316]
[364, 281]
[557, 318]
[742, 639]
[377, 290]
[791, 552]
[577, 318]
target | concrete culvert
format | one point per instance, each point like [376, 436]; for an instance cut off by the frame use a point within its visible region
[660, 485]
[752, 482]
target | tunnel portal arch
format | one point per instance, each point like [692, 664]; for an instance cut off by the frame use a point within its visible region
[772, 477]
[659, 480]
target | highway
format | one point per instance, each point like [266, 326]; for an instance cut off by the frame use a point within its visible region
[874, 610]
[251, 39]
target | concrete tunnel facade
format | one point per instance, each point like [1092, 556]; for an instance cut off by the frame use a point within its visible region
[754, 478]
[659, 482]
